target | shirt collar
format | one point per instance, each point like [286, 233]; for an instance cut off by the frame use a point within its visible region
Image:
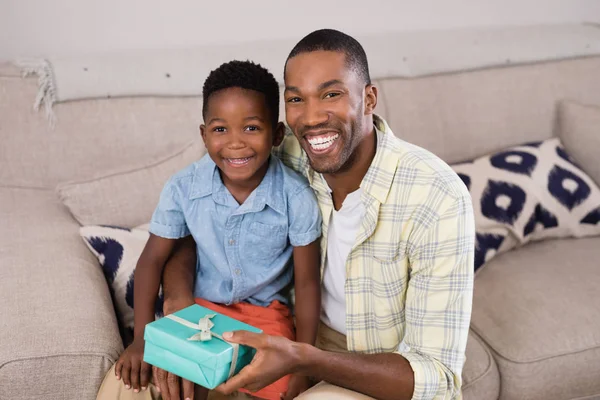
[380, 175]
[269, 191]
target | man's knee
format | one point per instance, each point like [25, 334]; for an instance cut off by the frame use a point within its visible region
[324, 390]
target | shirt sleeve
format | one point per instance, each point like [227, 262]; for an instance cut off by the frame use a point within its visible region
[168, 220]
[439, 301]
[304, 217]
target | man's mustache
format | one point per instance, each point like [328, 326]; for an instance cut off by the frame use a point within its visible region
[325, 126]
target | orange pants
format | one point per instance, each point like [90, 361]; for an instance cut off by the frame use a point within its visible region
[275, 319]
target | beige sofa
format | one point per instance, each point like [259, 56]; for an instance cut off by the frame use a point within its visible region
[535, 326]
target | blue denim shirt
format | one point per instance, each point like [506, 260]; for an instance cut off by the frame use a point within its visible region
[244, 251]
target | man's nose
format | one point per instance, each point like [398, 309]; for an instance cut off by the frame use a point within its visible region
[314, 114]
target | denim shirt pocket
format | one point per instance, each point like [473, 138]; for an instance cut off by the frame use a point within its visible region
[265, 242]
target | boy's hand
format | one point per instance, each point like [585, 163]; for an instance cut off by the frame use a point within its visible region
[297, 385]
[132, 368]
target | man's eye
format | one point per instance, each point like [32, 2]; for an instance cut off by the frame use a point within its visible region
[294, 100]
[331, 95]
[252, 128]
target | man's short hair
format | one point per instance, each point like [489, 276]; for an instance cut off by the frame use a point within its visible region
[332, 40]
[245, 75]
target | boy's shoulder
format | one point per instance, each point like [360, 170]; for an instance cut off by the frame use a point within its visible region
[192, 174]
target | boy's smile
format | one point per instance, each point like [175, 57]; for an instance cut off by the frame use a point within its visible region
[239, 135]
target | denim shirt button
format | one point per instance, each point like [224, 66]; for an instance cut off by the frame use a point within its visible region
[238, 271]
[231, 242]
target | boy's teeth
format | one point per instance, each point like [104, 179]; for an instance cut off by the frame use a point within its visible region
[238, 160]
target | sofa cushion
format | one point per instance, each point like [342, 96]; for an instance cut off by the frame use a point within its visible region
[118, 251]
[126, 197]
[480, 374]
[529, 193]
[57, 313]
[537, 308]
[580, 132]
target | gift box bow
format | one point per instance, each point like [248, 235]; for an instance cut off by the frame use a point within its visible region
[204, 326]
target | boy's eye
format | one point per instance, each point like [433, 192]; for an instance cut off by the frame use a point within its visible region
[294, 100]
[218, 129]
[252, 128]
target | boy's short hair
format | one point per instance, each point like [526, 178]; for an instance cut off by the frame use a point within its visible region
[245, 75]
[332, 40]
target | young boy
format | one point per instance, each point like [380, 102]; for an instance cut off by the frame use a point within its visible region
[249, 216]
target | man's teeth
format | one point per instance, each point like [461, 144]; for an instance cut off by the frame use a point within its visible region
[322, 143]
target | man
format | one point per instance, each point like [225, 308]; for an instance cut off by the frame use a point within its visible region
[397, 245]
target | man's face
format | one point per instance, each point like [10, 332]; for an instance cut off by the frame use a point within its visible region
[324, 107]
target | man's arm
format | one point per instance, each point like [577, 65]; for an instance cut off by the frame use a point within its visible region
[438, 309]
[179, 275]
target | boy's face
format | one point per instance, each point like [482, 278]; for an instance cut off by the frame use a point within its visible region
[238, 134]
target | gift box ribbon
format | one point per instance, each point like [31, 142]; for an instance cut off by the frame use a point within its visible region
[205, 333]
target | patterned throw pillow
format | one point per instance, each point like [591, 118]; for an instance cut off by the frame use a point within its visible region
[118, 251]
[531, 192]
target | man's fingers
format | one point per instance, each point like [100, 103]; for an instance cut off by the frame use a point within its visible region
[187, 389]
[125, 373]
[255, 340]
[236, 382]
[173, 384]
[145, 373]
[135, 376]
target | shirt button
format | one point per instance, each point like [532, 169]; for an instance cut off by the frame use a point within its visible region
[238, 271]
[231, 242]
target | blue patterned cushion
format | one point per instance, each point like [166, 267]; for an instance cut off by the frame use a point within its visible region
[531, 192]
[118, 250]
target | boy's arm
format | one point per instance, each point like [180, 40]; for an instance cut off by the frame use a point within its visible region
[307, 285]
[147, 277]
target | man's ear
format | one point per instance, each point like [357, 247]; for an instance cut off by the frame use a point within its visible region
[278, 134]
[370, 99]
[203, 132]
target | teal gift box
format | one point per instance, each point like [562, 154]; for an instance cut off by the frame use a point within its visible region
[207, 363]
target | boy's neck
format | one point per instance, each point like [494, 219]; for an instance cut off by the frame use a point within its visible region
[242, 190]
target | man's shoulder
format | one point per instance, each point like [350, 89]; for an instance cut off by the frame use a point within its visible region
[419, 166]
[290, 152]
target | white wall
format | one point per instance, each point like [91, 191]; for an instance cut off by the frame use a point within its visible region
[63, 27]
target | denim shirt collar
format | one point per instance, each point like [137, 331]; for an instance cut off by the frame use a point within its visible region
[269, 191]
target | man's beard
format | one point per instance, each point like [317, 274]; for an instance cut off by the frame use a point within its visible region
[347, 156]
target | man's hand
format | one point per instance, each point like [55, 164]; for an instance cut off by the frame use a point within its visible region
[275, 358]
[298, 384]
[131, 367]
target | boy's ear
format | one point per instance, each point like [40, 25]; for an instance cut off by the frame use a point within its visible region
[278, 134]
[203, 132]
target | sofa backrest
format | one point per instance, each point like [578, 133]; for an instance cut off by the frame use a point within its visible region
[458, 116]
[464, 115]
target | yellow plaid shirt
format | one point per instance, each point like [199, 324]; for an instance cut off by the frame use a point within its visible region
[409, 275]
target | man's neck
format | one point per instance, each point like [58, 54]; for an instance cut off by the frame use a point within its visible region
[346, 182]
